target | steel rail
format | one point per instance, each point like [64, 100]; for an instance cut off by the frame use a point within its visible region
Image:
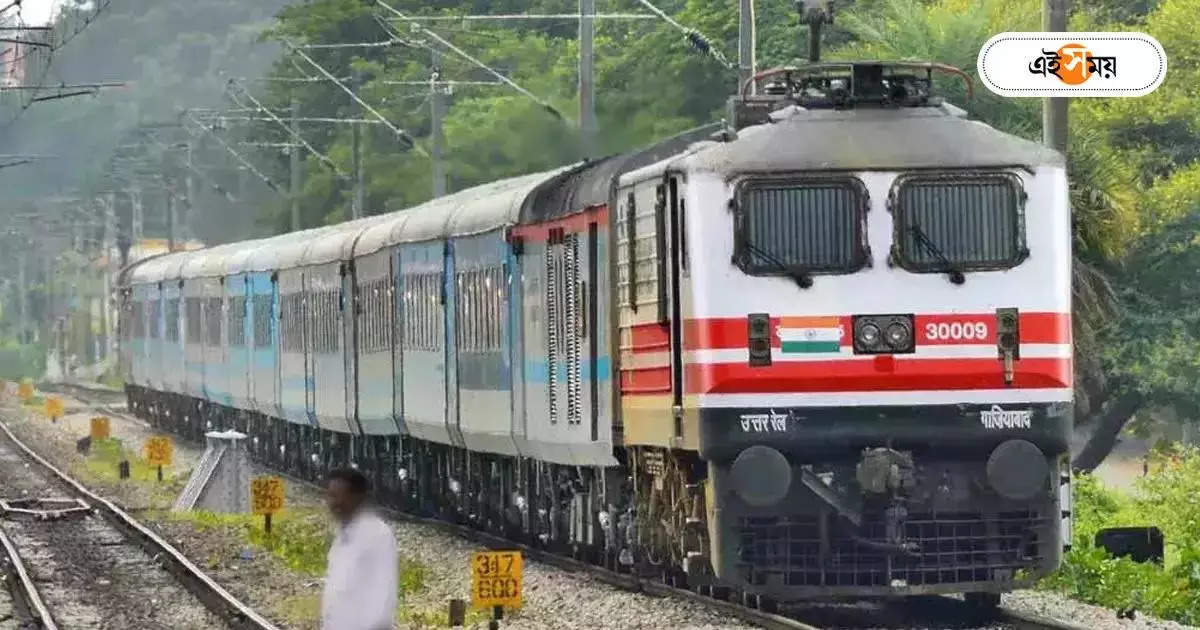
[29, 592]
[624, 581]
[220, 601]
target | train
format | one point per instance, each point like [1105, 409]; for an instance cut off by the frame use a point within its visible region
[819, 349]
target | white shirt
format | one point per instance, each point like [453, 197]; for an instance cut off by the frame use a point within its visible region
[360, 584]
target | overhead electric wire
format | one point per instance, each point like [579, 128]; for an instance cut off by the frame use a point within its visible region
[193, 168]
[384, 44]
[346, 121]
[320, 156]
[267, 180]
[533, 16]
[328, 75]
[461, 53]
[697, 39]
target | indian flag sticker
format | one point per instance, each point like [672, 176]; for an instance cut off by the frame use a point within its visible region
[810, 334]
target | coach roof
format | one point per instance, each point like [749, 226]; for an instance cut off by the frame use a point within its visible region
[870, 140]
[471, 211]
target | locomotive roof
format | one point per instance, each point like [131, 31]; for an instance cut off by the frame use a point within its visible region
[592, 183]
[870, 140]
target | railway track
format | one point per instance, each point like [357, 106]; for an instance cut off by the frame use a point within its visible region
[23, 607]
[921, 612]
[77, 561]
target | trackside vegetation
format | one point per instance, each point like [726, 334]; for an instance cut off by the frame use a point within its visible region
[1169, 498]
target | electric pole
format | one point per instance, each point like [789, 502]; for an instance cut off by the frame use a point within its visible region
[135, 200]
[1054, 110]
[22, 298]
[746, 44]
[435, 112]
[106, 245]
[170, 198]
[587, 86]
[294, 160]
[189, 191]
[356, 208]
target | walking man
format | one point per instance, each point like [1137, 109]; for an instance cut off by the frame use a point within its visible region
[360, 583]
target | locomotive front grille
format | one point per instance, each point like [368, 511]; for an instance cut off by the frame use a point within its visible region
[950, 548]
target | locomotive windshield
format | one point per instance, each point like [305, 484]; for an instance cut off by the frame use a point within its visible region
[791, 227]
[956, 222]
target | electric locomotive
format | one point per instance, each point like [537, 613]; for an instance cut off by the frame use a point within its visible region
[822, 349]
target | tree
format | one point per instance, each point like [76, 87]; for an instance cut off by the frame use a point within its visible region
[1152, 345]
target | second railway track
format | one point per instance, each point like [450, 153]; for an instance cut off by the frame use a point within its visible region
[79, 562]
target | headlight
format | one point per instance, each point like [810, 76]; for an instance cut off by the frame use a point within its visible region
[868, 335]
[883, 334]
[897, 335]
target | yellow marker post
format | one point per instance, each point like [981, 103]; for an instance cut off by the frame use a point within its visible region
[158, 453]
[54, 408]
[496, 581]
[25, 391]
[100, 429]
[266, 498]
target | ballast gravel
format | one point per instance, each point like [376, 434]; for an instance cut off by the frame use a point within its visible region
[553, 598]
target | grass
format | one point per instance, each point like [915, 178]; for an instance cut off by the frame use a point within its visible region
[300, 539]
[105, 455]
[298, 609]
[102, 465]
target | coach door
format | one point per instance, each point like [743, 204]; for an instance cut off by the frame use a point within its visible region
[676, 267]
[352, 313]
[308, 325]
[450, 297]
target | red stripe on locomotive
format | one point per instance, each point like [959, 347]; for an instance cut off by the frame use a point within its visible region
[730, 333]
[858, 375]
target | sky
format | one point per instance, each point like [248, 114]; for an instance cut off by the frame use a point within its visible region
[37, 12]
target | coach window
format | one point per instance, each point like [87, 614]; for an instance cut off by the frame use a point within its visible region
[193, 320]
[958, 221]
[155, 318]
[422, 312]
[791, 226]
[237, 321]
[213, 320]
[172, 323]
[262, 321]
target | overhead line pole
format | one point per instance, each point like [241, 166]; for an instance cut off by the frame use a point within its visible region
[189, 189]
[1054, 110]
[746, 43]
[435, 135]
[294, 167]
[587, 86]
[356, 208]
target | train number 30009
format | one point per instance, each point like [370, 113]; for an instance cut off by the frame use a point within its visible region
[968, 331]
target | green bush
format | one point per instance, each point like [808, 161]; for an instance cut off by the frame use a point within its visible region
[18, 361]
[1168, 498]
